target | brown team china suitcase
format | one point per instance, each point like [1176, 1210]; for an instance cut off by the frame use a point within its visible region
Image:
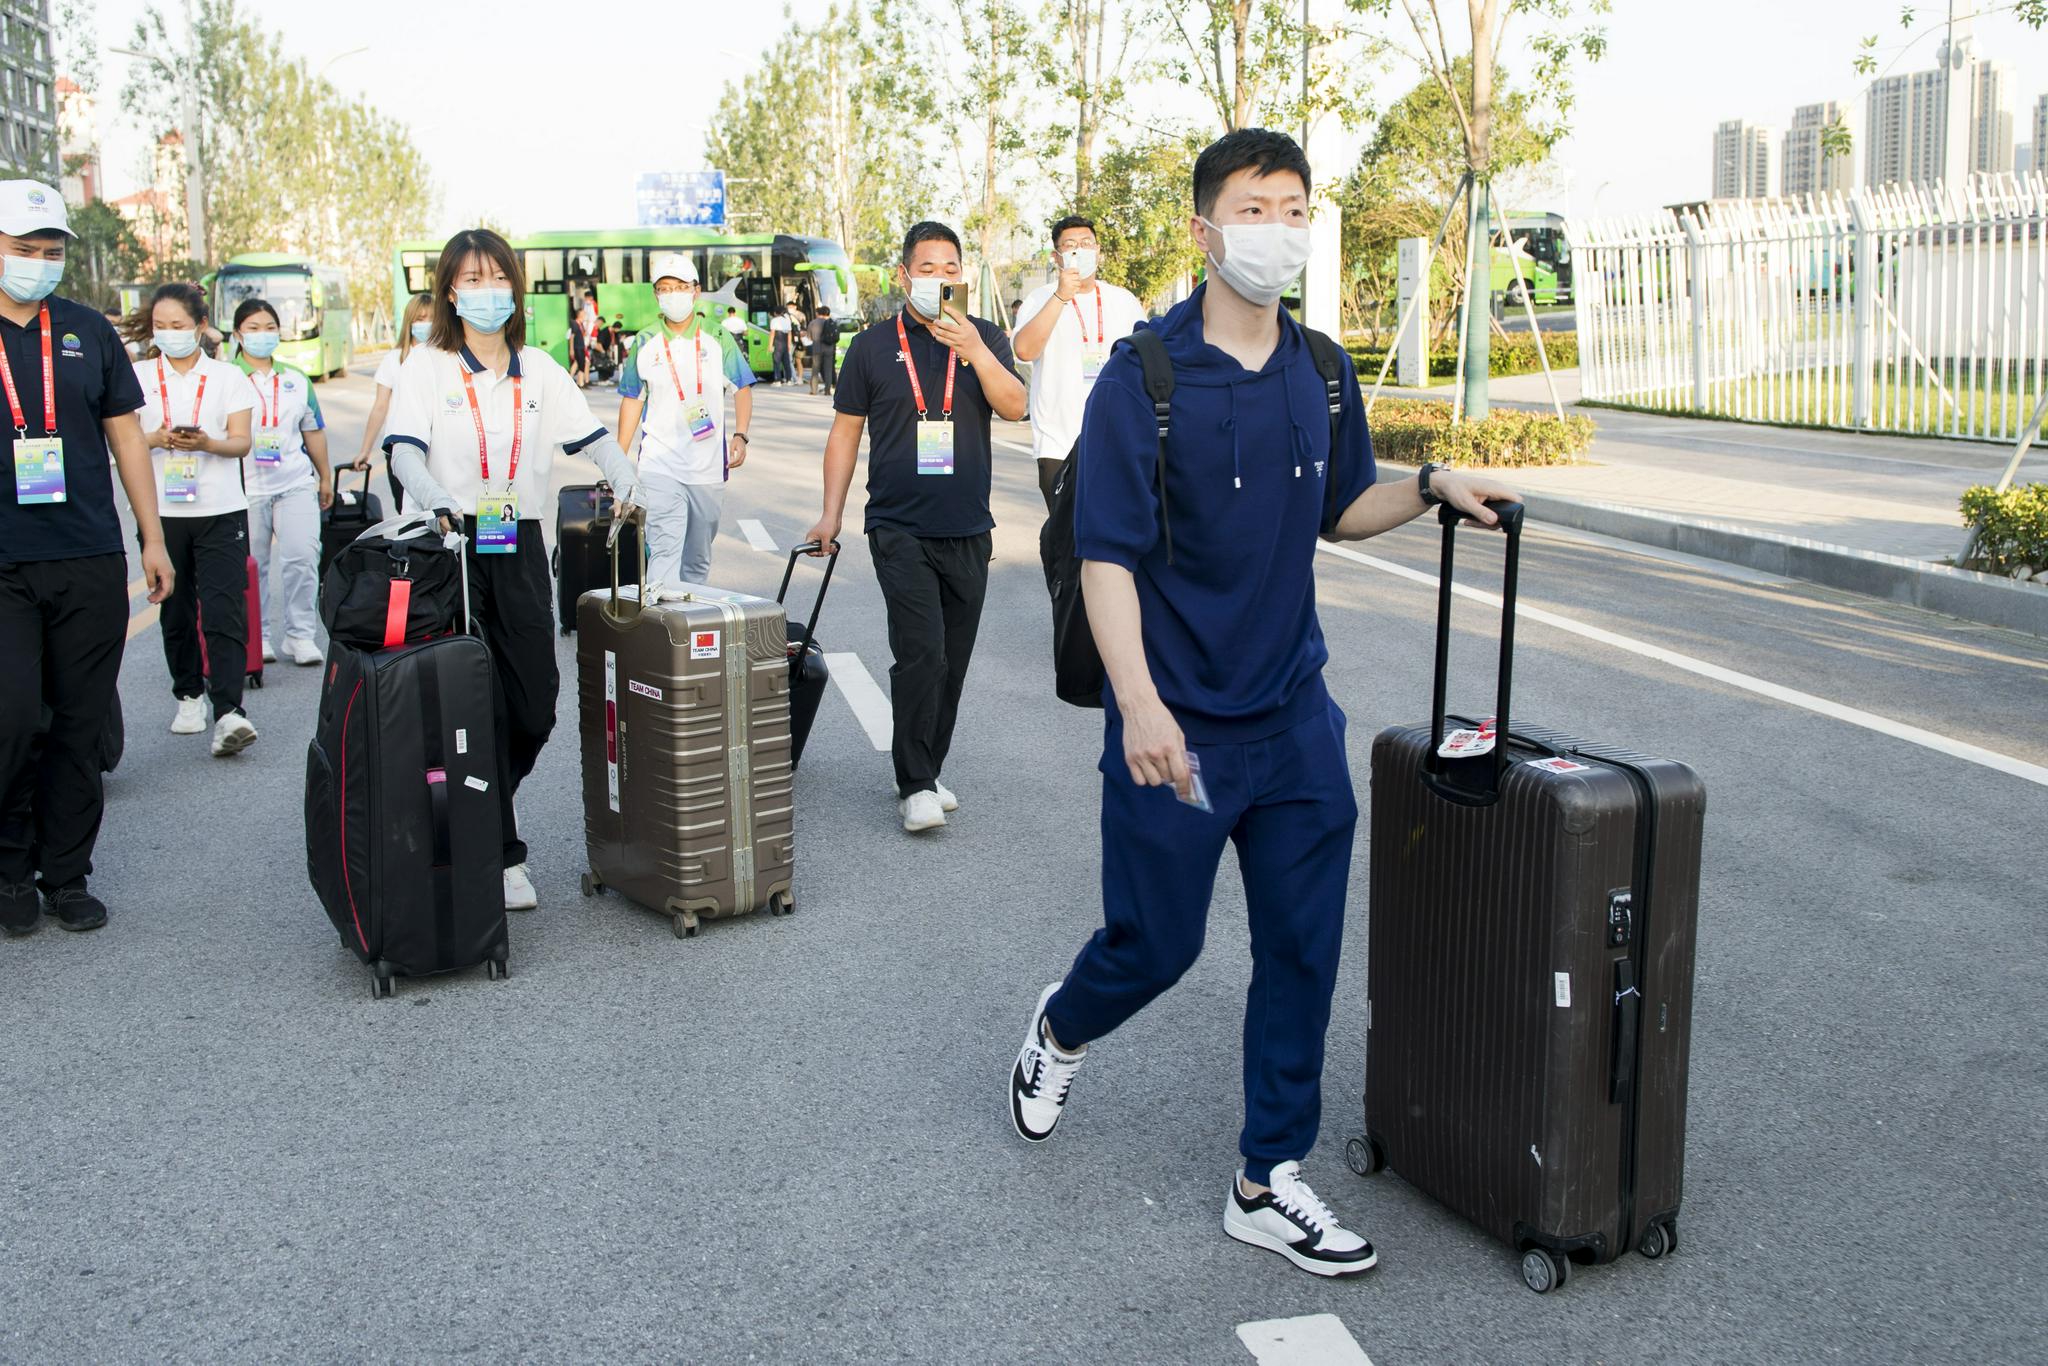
[688, 785]
[1534, 906]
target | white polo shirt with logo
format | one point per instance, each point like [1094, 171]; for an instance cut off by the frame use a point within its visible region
[285, 407]
[707, 367]
[430, 410]
[1059, 389]
[218, 389]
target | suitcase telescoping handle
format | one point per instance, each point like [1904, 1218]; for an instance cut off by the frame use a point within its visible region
[639, 573]
[358, 511]
[1473, 781]
[811, 621]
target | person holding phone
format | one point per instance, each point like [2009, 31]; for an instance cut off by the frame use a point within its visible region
[475, 426]
[924, 385]
[414, 327]
[289, 483]
[195, 419]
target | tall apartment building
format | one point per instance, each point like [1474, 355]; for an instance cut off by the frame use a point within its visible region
[78, 143]
[1804, 170]
[1742, 160]
[28, 97]
[2041, 134]
[1991, 104]
[1929, 126]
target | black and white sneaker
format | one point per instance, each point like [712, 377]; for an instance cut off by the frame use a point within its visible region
[1039, 1082]
[1289, 1219]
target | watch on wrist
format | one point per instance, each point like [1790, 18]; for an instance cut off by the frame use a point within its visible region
[1430, 497]
[741, 436]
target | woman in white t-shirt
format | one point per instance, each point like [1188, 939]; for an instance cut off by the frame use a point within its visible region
[475, 424]
[195, 420]
[289, 483]
[413, 328]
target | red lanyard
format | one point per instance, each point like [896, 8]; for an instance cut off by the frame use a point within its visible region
[917, 389]
[1083, 322]
[483, 449]
[675, 374]
[49, 386]
[275, 411]
[163, 387]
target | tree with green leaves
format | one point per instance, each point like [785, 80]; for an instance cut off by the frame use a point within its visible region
[1140, 201]
[988, 93]
[1082, 61]
[1245, 57]
[105, 253]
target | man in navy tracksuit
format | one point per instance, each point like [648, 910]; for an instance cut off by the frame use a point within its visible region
[1218, 726]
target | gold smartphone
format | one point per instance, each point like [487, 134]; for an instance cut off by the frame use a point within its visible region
[953, 299]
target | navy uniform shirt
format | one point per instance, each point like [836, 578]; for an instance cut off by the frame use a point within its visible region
[874, 383]
[95, 380]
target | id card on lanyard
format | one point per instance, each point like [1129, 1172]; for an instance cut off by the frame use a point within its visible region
[181, 468]
[38, 460]
[497, 514]
[696, 412]
[1093, 353]
[269, 447]
[934, 437]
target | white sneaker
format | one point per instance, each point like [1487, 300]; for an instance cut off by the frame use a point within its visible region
[921, 811]
[191, 717]
[299, 650]
[1039, 1081]
[269, 655]
[519, 893]
[947, 801]
[1289, 1219]
[232, 734]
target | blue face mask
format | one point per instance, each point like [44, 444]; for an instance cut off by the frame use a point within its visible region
[176, 345]
[260, 344]
[29, 279]
[486, 309]
[422, 331]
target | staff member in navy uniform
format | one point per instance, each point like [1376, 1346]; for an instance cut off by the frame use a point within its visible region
[475, 424]
[1218, 727]
[72, 397]
[927, 380]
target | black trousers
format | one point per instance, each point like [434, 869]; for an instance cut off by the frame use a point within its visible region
[1048, 476]
[933, 587]
[210, 556]
[824, 367]
[512, 606]
[63, 625]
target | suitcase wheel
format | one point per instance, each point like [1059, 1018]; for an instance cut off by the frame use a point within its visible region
[1657, 1240]
[256, 679]
[497, 969]
[591, 886]
[1364, 1155]
[380, 987]
[683, 922]
[781, 903]
[1544, 1271]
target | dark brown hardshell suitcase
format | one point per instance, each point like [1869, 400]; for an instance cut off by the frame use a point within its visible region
[583, 524]
[688, 781]
[1530, 976]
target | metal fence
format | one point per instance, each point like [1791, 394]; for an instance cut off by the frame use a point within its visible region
[1899, 310]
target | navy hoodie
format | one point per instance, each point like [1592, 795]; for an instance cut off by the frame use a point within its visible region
[1251, 481]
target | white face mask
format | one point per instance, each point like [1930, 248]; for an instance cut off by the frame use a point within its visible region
[1259, 259]
[925, 295]
[678, 306]
[1082, 259]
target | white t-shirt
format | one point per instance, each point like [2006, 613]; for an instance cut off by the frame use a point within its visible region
[1059, 393]
[779, 323]
[706, 374]
[387, 370]
[216, 388]
[430, 410]
[285, 403]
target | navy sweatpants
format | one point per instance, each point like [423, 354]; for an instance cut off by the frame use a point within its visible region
[1286, 803]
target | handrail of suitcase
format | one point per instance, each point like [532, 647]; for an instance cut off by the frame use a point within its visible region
[611, 608]
[810, 622]
[1459, 779]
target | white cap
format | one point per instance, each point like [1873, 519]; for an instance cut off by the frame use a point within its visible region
[672, 265]
[28, 206]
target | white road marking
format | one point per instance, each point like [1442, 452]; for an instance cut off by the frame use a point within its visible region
[1777, 692]
[870, 705]
[757, 535]
[1312, 1340]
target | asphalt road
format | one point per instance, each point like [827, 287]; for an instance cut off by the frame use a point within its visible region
[786, 1140]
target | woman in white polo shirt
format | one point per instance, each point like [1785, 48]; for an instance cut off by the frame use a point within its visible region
[475, 424]
[195, 420]
[414, 327]
[676, 379]
[289, 482]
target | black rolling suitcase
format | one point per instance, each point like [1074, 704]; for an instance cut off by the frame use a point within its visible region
[807, 672]
[351, 515]
[582, 560]
[1534, 907]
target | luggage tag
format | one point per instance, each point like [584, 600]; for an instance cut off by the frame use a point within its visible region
[497, 524]
[181, 477]
[39, 470]
[702, 428]
[934, 447]
[269, 448]
[1467, 744]
[1094, 355]
[1198, 791]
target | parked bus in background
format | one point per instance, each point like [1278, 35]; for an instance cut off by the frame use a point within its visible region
[311, 301]
[759, 273]
[1546, 260]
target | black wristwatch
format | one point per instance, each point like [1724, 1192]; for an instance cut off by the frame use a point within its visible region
[1430, 498]
[741, 436]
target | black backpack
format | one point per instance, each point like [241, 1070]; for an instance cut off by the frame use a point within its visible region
[396, 584]
[1076, 664]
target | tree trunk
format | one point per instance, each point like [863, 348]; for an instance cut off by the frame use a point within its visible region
[1478, 155]
[1241, 92]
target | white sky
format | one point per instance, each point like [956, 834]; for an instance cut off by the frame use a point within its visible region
[555, 154]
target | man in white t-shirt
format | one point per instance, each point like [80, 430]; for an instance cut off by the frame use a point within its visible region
[1065, 329]
[779, 333]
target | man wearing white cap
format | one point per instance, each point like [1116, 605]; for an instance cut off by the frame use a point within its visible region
[72, 397]
[676, 377]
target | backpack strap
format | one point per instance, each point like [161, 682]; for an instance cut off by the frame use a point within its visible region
[1158, 367]
[1330, 361]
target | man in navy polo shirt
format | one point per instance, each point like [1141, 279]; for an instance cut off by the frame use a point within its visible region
[72, 396]
[923, 384]
[1219, 728]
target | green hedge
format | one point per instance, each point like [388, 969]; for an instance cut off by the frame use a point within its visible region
[1410, 431]
[1515, 357]
[2012, 528]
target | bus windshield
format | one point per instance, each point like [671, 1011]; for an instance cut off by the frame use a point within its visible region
[284, 291]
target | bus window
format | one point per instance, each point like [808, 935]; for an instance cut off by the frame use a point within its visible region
[726, 263]
[621, 266]
[544, 273]
[419, 270]
[584, 261]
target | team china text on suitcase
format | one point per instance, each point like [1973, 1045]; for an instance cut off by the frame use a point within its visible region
[1534, 905]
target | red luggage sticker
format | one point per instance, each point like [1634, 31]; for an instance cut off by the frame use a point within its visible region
[704, 645]
[1559, 765]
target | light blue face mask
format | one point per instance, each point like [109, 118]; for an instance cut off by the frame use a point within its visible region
[176, 345]
[486, 309]
[29, 279]
[422, 331]
[261, 345]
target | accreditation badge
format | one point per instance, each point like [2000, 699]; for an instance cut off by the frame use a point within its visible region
[698, 417]
[181, 476]
[497, 523]
[39, 470]
[269, 447]
[934, 447]
[1094, 355]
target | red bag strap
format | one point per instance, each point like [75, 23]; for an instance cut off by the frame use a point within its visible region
[395, 613]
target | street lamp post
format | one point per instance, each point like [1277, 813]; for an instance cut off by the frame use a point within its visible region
[190, 133]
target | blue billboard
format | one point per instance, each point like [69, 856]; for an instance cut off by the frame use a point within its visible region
[694, 199]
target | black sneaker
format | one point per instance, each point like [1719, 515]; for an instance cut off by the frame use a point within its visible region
[20, 911]
[77, 909]
[1289, 1219]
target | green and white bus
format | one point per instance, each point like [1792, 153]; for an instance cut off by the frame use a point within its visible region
[1546, 260]
[759, 273]
[311, 302]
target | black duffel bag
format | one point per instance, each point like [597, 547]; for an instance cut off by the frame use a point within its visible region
[396, 584]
